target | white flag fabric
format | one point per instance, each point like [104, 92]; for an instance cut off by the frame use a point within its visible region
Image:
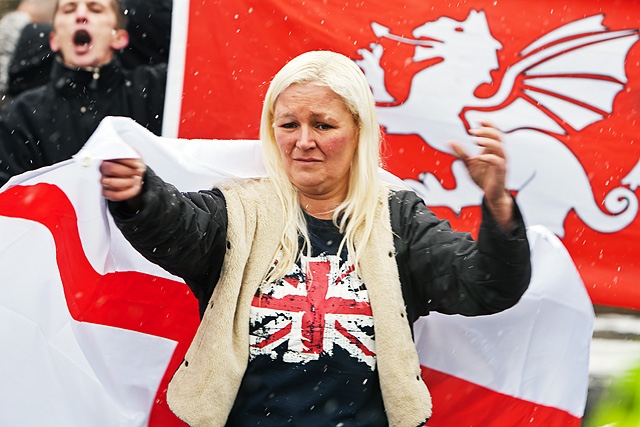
[92, 332]
[531, 360]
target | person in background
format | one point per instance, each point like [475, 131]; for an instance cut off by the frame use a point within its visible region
[148, 25]
[11, 27]
[309, 281]
[48, 124]
[32, 60]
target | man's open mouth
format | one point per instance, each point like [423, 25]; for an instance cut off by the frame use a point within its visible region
[81, 38]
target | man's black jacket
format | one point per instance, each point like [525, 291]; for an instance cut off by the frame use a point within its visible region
[48, 124]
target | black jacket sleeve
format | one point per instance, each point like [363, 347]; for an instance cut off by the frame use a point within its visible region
[32, 60]
[184, 233]
[447, 271]
[20, 148]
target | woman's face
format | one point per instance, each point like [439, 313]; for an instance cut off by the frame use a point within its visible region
[317, 137]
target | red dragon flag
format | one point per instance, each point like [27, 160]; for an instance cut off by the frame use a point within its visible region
[561, 80]
[92, 332]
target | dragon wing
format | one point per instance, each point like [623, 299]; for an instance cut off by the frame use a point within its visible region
[564, 81]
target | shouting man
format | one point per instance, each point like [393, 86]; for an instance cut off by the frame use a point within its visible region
[51, 123]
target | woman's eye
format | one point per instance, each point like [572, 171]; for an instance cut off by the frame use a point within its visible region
[288, 125]
[324, 126]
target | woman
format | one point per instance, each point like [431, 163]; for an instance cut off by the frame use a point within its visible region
[309, 281]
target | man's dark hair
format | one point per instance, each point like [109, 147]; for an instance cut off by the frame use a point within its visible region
[121, 14]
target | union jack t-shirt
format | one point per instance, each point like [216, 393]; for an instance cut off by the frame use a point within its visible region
[312, 355]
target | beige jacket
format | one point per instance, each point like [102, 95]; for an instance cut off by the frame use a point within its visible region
[203, 390]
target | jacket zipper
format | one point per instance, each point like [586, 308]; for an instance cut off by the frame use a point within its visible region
[96, 76]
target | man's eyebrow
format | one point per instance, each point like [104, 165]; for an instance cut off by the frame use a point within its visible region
[75, 3]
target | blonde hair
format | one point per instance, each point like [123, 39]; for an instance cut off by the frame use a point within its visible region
[355, 215]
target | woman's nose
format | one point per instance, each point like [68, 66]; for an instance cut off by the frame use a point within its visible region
[305, 138]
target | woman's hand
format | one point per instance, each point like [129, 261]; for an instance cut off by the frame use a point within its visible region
[488, 170]
[122, 180]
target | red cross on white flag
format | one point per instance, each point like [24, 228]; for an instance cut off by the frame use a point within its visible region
[101, 342]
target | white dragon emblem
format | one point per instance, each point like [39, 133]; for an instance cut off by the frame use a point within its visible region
[570, 78]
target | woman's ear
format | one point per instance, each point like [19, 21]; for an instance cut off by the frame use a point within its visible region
[120, 39]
